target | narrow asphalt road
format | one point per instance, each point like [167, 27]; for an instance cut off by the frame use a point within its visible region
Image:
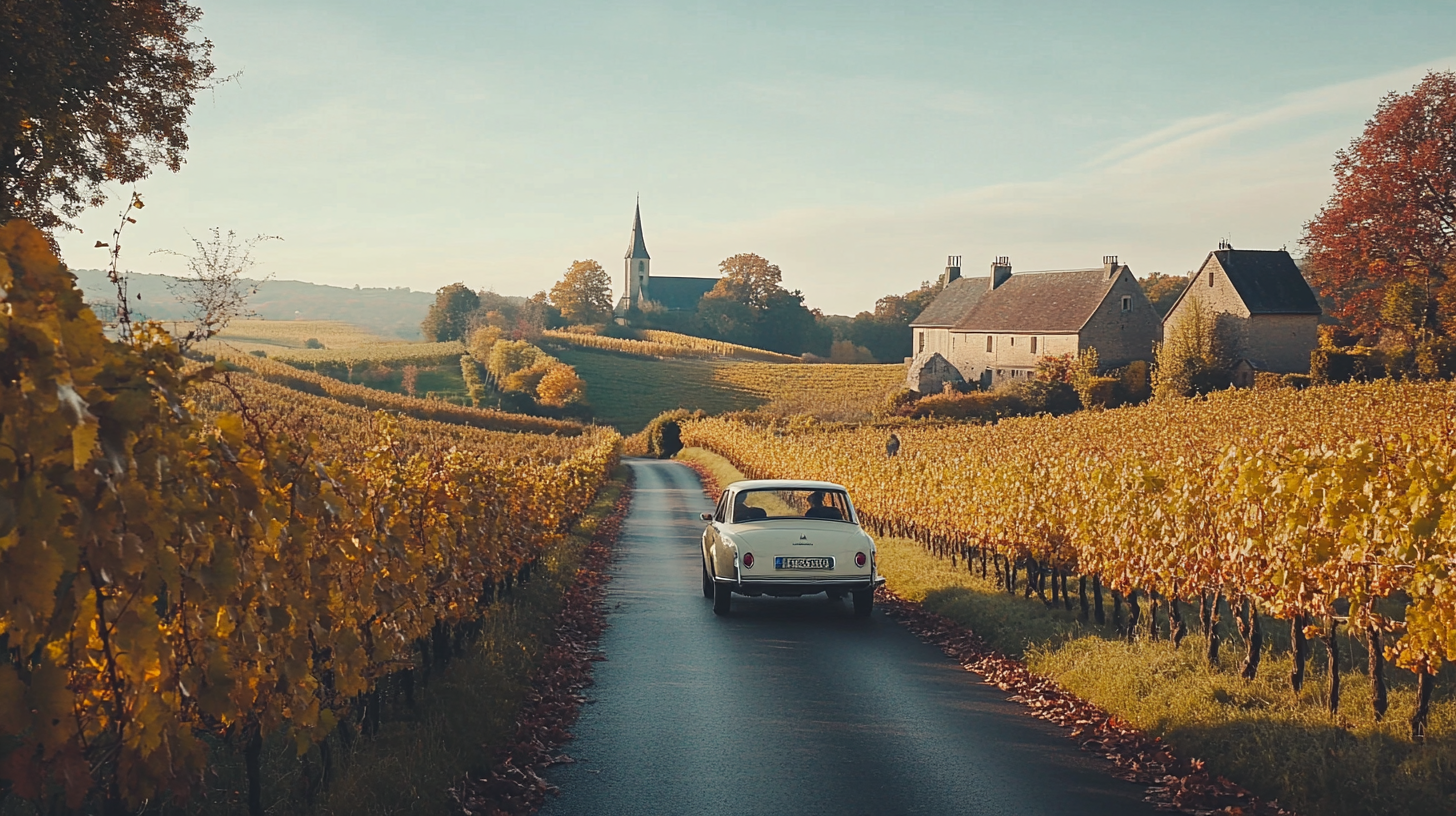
[792, 705]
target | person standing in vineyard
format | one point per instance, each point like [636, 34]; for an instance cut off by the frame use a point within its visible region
[892, 446]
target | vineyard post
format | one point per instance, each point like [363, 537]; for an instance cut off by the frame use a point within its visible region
[1425, 684]
[1255, 638]
[1117, 611]
[1332, 646]
[1153, 604]
[1298, 646]
[1082, 596]
[1134, 615]
[1176, 629]
[1098, 613]
[1378, 699]
[1210, 627]
[1066, 599]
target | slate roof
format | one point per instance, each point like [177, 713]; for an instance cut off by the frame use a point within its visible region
[637, 248]
[1267, 280]
[678, 294]
[953, 302]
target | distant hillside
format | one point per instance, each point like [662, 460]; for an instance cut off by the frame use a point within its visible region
[391, 312]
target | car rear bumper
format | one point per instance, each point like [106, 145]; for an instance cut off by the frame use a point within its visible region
[800, 586]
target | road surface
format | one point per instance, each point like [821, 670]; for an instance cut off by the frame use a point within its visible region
[792, 705]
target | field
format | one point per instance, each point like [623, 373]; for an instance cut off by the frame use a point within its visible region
[272, 336]
[627, 391]
[1315, 522]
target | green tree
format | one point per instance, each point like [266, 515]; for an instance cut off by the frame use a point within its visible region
[95, 92]
[886, 330]
[749, 305]
[584, 294]
[449, 315]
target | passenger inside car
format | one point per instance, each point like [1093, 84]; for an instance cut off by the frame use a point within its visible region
[743, 512]
[817, 508]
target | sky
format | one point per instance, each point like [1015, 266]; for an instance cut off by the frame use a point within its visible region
[855, 144]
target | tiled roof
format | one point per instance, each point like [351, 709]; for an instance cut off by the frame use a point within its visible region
[637, 247]
[1050, 302]
[1267, 281]
[953, 302]
[679, 294]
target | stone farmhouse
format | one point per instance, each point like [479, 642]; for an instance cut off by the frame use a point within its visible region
[640, 286]
[1264, 307]
[994, 329]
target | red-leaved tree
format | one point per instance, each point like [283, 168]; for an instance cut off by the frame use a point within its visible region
[1391, 222]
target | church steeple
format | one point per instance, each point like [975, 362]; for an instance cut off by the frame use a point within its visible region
[638, 267]
[637, 247]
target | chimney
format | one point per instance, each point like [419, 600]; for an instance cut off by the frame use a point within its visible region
[1000, 271]
[952, 270]
[1109, 266]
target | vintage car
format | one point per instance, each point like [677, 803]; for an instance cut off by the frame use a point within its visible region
[787, 538]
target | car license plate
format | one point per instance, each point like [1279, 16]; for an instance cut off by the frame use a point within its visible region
[794, 562]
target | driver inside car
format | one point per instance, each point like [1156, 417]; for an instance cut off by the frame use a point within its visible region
[743, 512]
[817, 508]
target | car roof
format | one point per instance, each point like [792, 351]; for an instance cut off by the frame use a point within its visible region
[791, 484]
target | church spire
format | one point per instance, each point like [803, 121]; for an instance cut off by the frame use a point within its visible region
[638, 247]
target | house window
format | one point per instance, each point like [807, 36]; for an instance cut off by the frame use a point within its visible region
[1033, 345]
[1013, 341]
[922, 341]
[1127, 303]
[641, 266]
[1210, 280]
[988, 343]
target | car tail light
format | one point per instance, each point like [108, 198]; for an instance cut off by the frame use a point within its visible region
[748, 560]
[859, 559]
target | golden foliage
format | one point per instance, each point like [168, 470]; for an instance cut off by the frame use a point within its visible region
[170, 570]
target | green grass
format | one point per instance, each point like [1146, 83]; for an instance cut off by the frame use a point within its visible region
[628, 391]
[1260, 733]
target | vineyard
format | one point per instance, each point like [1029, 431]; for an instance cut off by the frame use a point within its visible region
[191, 555]
[653, 343]
[1323, 508]
[272, 336]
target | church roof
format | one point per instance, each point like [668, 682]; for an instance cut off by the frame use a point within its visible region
[1052, 302]
[638, 247]
[678, 294]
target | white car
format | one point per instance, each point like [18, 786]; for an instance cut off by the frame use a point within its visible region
[787, 538]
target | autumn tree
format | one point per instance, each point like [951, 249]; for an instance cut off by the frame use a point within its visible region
[584, 293]
[1196, 355]
[886, 330]
[1392, 217]
[749, 305]
[214, 289]
[95, 92]
[449, 315]
[1163, 290]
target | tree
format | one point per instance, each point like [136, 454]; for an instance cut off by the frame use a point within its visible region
[886, 330]
[1392, 217]
[560, 386]
[449, 315]
[1195, 357]
[584, 294]
[749, 306]
[216, 290]
[1163, 290]
[96, 92]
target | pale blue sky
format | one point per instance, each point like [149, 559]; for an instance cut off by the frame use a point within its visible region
[856, 144]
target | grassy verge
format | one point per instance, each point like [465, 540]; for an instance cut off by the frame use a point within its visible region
[460, 715]
[1278, 743]
[628, 391]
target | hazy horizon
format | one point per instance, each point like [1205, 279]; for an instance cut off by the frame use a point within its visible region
[855, 145]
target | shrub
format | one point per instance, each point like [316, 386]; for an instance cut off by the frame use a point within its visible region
[1098, 392]
[664, 433]
[258, 353]
[560, 386]
[1134, 383]
[1269, 381]
[1329, 366]
[1435, 359]
[313, 343]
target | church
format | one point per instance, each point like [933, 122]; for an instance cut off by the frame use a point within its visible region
[640, 287]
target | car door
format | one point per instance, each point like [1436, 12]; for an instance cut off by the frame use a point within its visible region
[711, 533]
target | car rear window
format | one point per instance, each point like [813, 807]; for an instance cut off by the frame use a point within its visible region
[763, 504]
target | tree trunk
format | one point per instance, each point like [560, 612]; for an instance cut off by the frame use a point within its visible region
[1117, 611]
[1424, 685]
[1055, 597]
[252, 755]
[1033, 572]
[1153, 616]
[1082, 596]
[1298, 646]
[1378, 699]
[1210, 629]
[1134, 614]
[1066, 599]
[1255, 639]
[1100, 617]
[1332, 644]
[1176, 630]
